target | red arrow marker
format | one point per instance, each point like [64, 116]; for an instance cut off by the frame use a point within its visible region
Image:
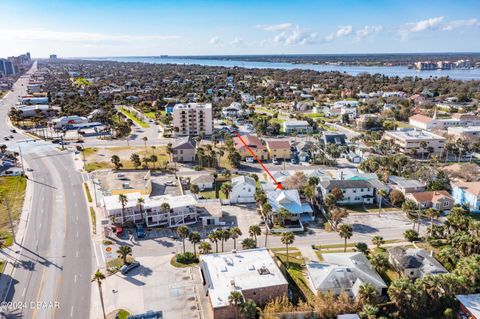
[279, 185]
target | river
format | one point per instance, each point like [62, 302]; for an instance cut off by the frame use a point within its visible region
[401, 71]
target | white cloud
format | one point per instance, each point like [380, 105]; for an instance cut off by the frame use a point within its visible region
[342, 31]
[215, 41]
[80, 37]
[289, 34]
[275, 27]
[423, 25]
[367, 31]
[458, 24]
[236, 41]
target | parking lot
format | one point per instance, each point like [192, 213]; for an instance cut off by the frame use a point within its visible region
[155, 285]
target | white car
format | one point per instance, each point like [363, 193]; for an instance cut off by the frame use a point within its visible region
[249, 160]
[169, 183]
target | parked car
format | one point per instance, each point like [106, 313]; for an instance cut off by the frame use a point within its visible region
[140, 231]
[294, 160]
[249, 160]
[56, 141]
[6, 138]
[169, 183]
[127, 267]
[13, 130]
[275, 162]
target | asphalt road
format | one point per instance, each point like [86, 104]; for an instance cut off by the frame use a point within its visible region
[52, 279]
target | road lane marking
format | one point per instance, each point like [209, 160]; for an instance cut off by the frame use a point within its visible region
[59, 280]
[76, 254]
[71, 312]
[77, 234]
[94, 246]
[23, 293]
[75, 279]
[38, 293]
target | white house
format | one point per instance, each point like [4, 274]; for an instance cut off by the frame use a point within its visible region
[203, 182]
[243, 190]
[354, 191]
[296, 126]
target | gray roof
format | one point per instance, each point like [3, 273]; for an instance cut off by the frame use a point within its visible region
[203, 179]
[416, 259]
[186, 142]
[343, 184]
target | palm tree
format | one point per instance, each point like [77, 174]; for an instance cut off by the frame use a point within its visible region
[345, 231]
[249, 243]
[248, 309]
[182, 232]
[432, 213]
[123, 252]
[254, 231]
[423, 145]
[213, 237]
[116, 162]
[235, 299]
[378, 241]
[123, 201]
[226, 189]
[381, 195]
[235, 232]
[283, 214]
[367, 293]
[99, 277]
[369, 311]
[224, 235]
[287, 239]
[165, 208]
[140, 204]
[194, 238]
[205, 247]
[170, 151]
[379, 262]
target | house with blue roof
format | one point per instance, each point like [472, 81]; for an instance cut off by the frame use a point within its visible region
[290, 200]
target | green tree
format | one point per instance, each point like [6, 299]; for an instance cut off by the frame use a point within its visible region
[123, 201]
[432, 213]
[248, 309]
[98, 277]
[367, 294]
[123, 252]
[249, 243]
[205, 247]
[345, 231]
[214, 238]
[235, 232]
[235, 299]
[224, 235]
[378, 241]
[287, 239]
[135, 159]
[361, 247]
[379, 261]
[226, 189]
[116, 162]
[408, 299]
[410, 235]
[194, 238]
[254, 231]
[194, 188]
[183, 232]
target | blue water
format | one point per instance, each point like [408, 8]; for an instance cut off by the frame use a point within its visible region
[401, 71]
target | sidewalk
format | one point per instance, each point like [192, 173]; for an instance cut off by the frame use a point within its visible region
[11, 259]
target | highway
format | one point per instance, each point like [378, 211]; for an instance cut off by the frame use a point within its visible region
[54, 261]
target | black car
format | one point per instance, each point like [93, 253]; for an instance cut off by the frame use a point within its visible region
[13, 131]
[56, 141]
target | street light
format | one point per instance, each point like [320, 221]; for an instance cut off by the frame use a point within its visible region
[114, 298]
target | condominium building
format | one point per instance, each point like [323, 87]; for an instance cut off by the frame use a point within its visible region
[465, 133]
[182, 210]
[458, 120]
[193, 119]
[410, 141]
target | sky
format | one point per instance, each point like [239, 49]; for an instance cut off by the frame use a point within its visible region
[185, 27]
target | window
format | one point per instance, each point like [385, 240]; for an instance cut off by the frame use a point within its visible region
[446, 203]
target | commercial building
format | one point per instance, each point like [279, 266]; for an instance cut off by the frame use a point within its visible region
[30, 99]
[409, 141]
[424, 122]
[26, 111]
[64, 121]
[297, 127]
[193, 119]
[343, 272]
[253, 273]
[6, 67]
[465, 133]
[182, 210]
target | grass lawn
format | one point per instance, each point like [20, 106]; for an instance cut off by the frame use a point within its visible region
[13, 188]
[369, 209]
[314, 115]
[176, 264]
[89, 167]
[211, 193]
[295, 269]
[277, 120]
[94, 220]
[263, 110]
[2, 266]
[133, 117]
[114, 265]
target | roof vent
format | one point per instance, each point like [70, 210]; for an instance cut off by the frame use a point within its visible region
[263, 271]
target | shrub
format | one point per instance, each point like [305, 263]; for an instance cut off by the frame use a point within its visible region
[187, 258]
[198, 168]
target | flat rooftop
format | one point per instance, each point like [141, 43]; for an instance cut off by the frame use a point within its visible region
[193, 106]
[113, 202]
[113, 180]
[243, 270]
[414, 135]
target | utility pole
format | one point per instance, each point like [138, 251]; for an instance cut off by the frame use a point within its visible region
[7, 203]
[21, 158]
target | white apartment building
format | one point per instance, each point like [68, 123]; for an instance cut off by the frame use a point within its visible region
[465, 133]
[409, 140]
[193, 118]
[458, 120]
[183, 210]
